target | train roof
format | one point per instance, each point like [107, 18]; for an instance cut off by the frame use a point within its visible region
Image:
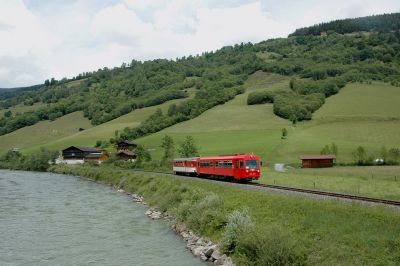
[186, 159]
[231, 156]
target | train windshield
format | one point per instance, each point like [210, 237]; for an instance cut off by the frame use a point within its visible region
[252, 164]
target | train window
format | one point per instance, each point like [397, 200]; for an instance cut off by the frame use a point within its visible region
[237, 164]
[241, 164]
[252, 164]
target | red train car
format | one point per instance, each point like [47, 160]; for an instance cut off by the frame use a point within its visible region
[241, 167]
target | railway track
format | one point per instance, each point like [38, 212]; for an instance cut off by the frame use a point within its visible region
[301, 190]
[331, 194]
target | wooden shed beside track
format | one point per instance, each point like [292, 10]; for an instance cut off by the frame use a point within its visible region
[317, 161]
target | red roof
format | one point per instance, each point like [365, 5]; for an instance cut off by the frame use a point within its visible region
[317, 157]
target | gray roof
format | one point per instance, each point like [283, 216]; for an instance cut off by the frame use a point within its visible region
[129, 142]
[186, 159]
[83, 148]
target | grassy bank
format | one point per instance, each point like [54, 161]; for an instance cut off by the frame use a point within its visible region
[329, 233]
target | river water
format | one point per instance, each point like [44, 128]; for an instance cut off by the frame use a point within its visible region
[50, 219]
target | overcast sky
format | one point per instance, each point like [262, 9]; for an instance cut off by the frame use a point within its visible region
[40, 39]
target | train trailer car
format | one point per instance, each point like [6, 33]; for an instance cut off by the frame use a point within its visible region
[240, 167]
[185, 166]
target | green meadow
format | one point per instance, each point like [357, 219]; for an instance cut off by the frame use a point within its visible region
[371, 181]
[90, 135]
[360, 114]
[21, 108]
[44, 132]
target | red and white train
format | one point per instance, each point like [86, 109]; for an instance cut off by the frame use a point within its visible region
[240, 167]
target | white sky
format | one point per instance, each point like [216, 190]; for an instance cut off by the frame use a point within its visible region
[62, 38]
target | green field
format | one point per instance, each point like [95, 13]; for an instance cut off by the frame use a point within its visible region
[361, 114]
[20, 108]
[101, 132]
[234, 126]
[372, 181]
[44, 132]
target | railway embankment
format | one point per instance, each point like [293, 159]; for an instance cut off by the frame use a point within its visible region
[256, 227]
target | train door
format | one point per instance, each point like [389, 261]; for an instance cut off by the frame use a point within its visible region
[238, 168]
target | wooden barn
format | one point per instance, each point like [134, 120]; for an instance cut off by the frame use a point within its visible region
[126, 145]
[317, 161]
[126, 155]
[126, 150]
[81, 154]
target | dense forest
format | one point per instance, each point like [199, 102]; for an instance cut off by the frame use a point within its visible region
[378, 23]
[319, 65]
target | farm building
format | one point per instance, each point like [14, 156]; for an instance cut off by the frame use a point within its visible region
[80, 154]
[126, 155]
[126, 145]
[126, 150]
[317, 161]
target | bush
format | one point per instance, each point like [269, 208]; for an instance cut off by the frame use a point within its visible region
[271, 246]
[238, 223]
[260, 97]
[207, 214]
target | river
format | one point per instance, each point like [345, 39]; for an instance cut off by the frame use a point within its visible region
[51, 219]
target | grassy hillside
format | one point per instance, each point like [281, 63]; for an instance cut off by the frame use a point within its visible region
[22, 108]
[234, 126]
[101, 132]
[44, 132]
[361, 114]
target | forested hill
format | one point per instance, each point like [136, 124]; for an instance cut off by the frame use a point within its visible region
[6, 93]
[319, 66]
[377, 23]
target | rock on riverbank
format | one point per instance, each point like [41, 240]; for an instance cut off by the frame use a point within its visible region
[199, 246]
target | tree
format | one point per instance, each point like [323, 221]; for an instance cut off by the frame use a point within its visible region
[8, 114]
[188, 148]
[169, 149]
[326, 150]
[360, 155]
[334, 148]
[284, 133]
[384, 154]
[394, 154]
[142, 155]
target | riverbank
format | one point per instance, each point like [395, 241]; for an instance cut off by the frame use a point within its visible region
[255, 226]
[200, 247]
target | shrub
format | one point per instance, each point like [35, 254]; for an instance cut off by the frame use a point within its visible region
[207, 214]
[260, 97]
[238, 222]
[271, 246]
